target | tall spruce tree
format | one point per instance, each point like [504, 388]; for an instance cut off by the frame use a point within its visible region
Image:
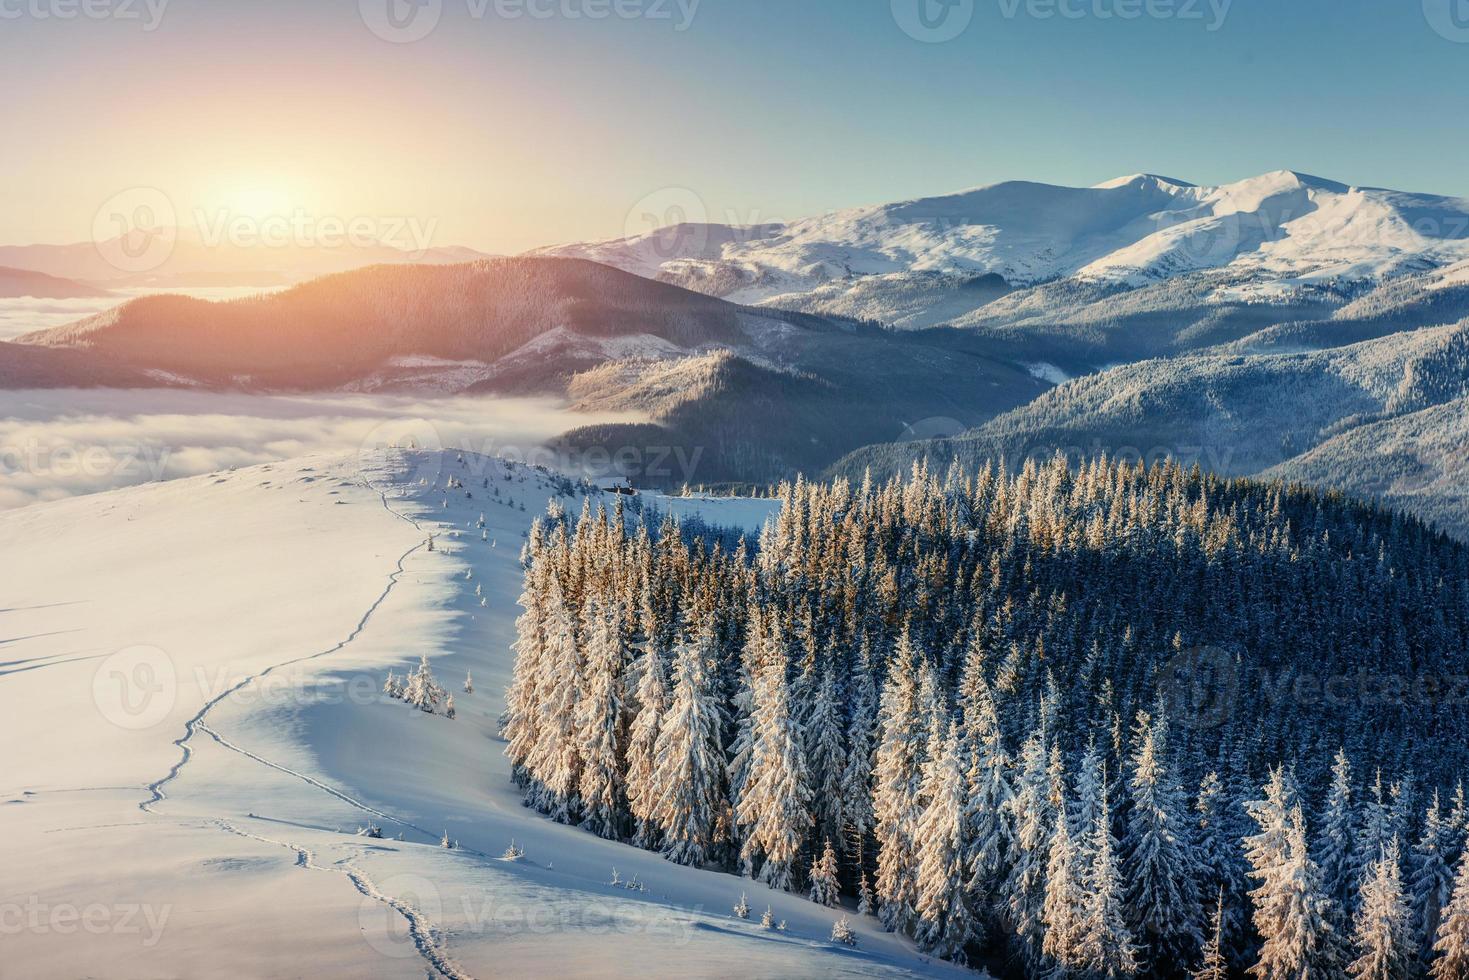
[689, 775]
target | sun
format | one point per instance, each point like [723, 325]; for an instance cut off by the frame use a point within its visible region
[261, 201]
[254, 196]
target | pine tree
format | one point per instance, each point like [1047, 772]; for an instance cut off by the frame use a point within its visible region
[422, 691]
[468, 682]
[1375, 832]
[774, 804]
[1451, 947]
[1163, 900]
[864, 896]
[989, 808]
[1337, 849]
[824, 886]
[1432, 882]
[689, 773]
[554, 761]
[1382, 938]
[449, 707]
[1292, 915]
[1064, 910]
[1104, 943]
[945, 925]
[856, 790]
[1213, 964]
[642, 759]
[1033, 817]
[896, 787]
[827, 762]
[1217, 857]
[598, 711]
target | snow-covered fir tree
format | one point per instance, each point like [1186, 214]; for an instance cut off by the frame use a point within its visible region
[1338, 839]
[1213, 962]
[1163, 899]
[774, 806]
[1382, 939]
[1293, 916]
[1451, 944]
[825, 888]
[1064, 909]
[651, 699]
[945, 922]
[421, 690]
[1104, 943]
[689, 776]
[598, 720]
[1431, 880]
[897, 781]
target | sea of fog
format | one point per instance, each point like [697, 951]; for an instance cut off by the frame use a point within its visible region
[62, 443]
[57, 444]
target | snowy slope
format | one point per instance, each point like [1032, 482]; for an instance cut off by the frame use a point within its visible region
[196, 667]
[1281, 227]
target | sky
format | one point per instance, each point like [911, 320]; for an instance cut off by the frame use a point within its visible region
[508, 124]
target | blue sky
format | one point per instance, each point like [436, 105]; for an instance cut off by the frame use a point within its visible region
[511, 130]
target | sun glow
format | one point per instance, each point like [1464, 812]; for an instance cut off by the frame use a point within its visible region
[261, 201]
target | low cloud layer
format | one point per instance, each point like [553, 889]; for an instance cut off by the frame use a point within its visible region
[20, 315]
[56, 444]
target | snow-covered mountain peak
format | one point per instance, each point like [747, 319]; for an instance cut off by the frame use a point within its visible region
[1276, 230]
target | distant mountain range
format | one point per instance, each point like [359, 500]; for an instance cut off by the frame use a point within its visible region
[1284, 324]
[15, 283]
[758, 393]
[193, 261]
[1141, 266]
[1278, 233]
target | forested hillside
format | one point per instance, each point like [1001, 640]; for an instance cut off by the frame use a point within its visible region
[1238, 415]
[1107, 722]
